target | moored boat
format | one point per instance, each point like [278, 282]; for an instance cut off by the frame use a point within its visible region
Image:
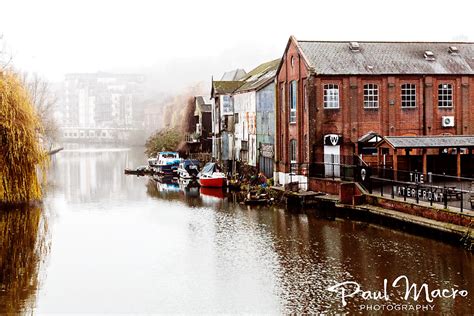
[188, 169]
[165, 163]
[211, 176]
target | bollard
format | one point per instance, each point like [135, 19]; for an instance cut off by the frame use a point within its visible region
[445, 197]
[417, 196]
[431, 196]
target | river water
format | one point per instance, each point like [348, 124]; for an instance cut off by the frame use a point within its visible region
[104, 242]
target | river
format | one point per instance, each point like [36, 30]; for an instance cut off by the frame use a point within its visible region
[103, 242]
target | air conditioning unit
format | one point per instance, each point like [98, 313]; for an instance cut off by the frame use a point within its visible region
[447, 121]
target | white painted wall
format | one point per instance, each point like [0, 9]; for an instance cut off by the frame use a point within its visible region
[245, 105]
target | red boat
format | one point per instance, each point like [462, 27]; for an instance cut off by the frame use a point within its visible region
[211, 176]
[217, 182]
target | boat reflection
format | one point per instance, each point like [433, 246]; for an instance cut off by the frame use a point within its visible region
[218, 193]
[190, 187]
[186, 190]
[23, 248]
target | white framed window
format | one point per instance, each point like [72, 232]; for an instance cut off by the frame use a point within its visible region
[371, 96]
[331, 96]
[293, 98]
[408, 95]
[445, 95]
[293, 151]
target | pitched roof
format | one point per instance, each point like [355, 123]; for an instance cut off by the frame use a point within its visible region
[429, 141]
[202, 104]
[233, 75]
[225, 87]
[260, 76]
[334, 58]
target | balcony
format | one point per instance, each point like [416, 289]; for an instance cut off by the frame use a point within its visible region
[191, 138]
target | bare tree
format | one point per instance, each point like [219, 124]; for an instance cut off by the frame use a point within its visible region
[44, 101]
[5, 59]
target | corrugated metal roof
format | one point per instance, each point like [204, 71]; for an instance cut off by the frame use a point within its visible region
[260, 76]
[233, 75]
[202, 104]
[226, 87]
[334, 58]
[430, 141]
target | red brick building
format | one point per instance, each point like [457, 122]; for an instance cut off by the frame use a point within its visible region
[335, 98]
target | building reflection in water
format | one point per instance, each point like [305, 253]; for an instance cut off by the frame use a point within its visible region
[302, 254]
[24, 246]
[193, 249]
[87, 175]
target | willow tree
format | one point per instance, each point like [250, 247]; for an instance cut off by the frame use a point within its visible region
[21, 153]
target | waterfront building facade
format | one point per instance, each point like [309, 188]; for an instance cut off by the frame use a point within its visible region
[336, 99]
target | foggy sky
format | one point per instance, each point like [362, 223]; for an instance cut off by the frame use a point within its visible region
[181, 42]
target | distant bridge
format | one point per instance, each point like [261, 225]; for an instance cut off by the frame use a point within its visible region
[99, 134]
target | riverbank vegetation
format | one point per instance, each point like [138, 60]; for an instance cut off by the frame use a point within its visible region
[178, 120]
[21, 152]
[164, 140]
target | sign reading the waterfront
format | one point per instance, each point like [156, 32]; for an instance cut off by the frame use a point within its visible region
[417, 177]
[427, 194]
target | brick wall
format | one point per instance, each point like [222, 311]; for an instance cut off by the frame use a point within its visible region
[352, 120]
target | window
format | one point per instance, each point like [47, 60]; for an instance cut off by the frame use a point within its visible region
[281, 146]
[293, 101]
[293, 151]
[445, 95]
[282, 97]
[305, 99]
[331, 96]
[236, 118]
[371, 96]
[408, 95]
[292, 61]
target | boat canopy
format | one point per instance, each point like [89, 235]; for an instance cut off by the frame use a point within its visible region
[168, 154]
[210, 168]
[190, 162]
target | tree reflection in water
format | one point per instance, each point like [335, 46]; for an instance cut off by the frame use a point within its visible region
[23, 248]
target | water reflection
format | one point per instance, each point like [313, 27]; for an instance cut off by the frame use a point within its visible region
[87, 175]
[23, 249]
[127, 244]
[306, 253]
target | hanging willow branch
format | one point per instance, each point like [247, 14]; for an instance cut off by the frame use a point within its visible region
[21, 152]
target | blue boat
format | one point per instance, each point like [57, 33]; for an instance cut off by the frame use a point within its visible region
[166, 163]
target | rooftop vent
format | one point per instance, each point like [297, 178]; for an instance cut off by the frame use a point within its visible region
[354, 46]
[429, 55]
[453, 50]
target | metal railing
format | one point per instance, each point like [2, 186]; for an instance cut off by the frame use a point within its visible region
[432, 188]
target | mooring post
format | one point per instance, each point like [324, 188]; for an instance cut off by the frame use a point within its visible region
[417, 196]
[445, 197]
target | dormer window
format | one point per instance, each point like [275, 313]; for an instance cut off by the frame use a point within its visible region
[429, 55]
[453, 50]
[354, 46]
